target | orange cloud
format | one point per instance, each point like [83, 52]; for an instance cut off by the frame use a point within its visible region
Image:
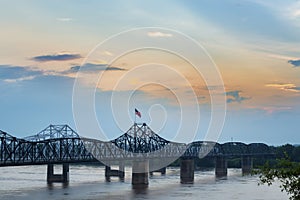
[284, 86]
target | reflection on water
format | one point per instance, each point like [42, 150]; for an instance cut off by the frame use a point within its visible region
[88, 182]
[50, 186]
[139, 190]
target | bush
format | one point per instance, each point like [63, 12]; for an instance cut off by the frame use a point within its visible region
[287, 172]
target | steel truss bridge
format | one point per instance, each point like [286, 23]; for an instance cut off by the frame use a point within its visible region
[61, 144]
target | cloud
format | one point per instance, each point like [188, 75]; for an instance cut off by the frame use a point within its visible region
[9, 73]
[284, 86]
[234, 96]
[27, 78]
[296, 13]
[293, 10]
[107, 53]
[271, 109]
[281, 57]
[159, 34]
[90, 67]
[64, 19]
[56, 57]
[296, 63]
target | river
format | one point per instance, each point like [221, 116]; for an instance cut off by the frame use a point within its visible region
[88, 182]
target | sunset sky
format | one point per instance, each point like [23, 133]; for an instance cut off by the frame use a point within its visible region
[255, 46]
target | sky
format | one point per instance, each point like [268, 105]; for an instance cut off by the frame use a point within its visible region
[217, 70]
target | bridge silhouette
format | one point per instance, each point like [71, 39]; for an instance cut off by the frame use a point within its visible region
[148, 152]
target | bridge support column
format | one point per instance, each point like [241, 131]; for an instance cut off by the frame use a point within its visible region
[107, 173]
[221, 166]
[247, 164]
[62, 178]
[118, 173]
[140, 171]
[121, 170]
[187, 168]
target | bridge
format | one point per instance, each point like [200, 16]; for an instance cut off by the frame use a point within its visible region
[144, 149]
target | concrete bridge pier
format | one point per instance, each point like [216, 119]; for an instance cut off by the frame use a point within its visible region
[247, 165]
[140, 171]
[62, 178]
[121, 170]
[221, 166]
[113, 172]
[187, 168]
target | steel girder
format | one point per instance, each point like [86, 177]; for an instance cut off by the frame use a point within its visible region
[60, 144]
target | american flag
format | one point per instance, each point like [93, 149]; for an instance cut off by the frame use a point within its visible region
[138, 113]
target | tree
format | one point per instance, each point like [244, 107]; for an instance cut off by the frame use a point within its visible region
[285, 171]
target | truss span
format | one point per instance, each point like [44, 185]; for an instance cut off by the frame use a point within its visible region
[61, 144]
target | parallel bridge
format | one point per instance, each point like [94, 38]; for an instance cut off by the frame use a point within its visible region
[61, 144]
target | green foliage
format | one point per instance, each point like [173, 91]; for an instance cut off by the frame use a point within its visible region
[234, 163]
[285, 171]
[293, 152]
[204, 163]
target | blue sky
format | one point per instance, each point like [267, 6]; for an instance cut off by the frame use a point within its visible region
[254, 44]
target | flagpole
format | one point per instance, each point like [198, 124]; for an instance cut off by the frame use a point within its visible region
[134, 130]
[134, 117]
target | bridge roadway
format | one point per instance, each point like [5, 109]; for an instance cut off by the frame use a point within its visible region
[60, 144]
